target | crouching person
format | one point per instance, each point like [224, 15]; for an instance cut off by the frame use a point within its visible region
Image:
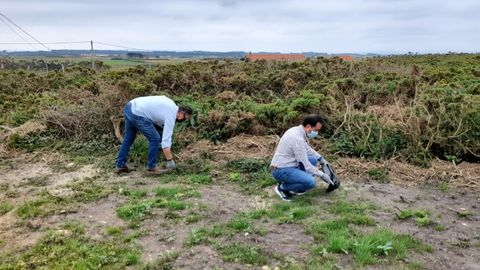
[154, 117]
[294, 164]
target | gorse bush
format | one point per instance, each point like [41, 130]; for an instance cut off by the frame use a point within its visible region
[415, 107]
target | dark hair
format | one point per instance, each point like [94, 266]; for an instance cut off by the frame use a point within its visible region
[186, 109]
[312, 120]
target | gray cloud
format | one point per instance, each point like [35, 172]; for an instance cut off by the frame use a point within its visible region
[253, 25]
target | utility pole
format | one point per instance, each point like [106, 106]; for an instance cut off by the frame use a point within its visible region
[91, 48]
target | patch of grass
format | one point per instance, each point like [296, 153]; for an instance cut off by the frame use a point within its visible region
[443, 186]
[176, 205]
[440, 228]
[88, 190]
[344, 207]
[379, 174]
[197, 236]
[134, 194]
[289, 213]
[134, 212]
[5, 207]
[257, 213]
[354, 213]
[200, 178]
[192, 218]
[175, 194]
[31, 209]
[172, 199]
[168, 193]
[234, 176]
[248, 165]
[253, 182]
[335, 232]
[68, 248]
[404, 214]
[463, 213]
[83, 191]
[421, 217]
[113, 230]
[260, 231]
[382, 243]
[340, 237]
[243, 254]
[262, 178]
[422, 221]
[357, 219]
[219, 231]
[239, 223]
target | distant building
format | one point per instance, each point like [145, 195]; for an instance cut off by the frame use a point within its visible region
[291, 57]
[346, 57]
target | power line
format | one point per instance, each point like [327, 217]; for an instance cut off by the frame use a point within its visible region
[119, 46]
[76, 42]
[13, 30]
[58, 42]
[1, 14]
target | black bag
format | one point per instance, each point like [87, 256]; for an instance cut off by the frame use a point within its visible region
[328, 170]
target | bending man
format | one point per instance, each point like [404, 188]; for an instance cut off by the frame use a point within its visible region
[154, 117]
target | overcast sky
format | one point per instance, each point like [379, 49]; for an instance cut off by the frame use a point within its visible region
[335, 26]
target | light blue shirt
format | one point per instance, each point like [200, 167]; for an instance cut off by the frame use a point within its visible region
[161, 110]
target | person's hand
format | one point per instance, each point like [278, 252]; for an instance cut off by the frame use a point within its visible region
[325, 177]
[171, 164]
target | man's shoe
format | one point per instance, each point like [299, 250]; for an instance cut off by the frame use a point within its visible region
[298, 193]
[284, 194]
[126, 169]
[156, 171]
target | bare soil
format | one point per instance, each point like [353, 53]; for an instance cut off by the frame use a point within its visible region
[454, 232]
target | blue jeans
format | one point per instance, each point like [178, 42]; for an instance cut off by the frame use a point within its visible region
[295, 179]
[133, 124]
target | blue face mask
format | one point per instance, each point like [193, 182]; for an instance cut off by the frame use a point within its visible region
[312, 134]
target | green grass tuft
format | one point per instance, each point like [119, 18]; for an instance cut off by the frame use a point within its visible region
[5, 207]
[135, 212]
[243, 254]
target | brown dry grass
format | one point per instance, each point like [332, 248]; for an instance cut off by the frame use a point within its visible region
[461, 175]
[242, 146]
